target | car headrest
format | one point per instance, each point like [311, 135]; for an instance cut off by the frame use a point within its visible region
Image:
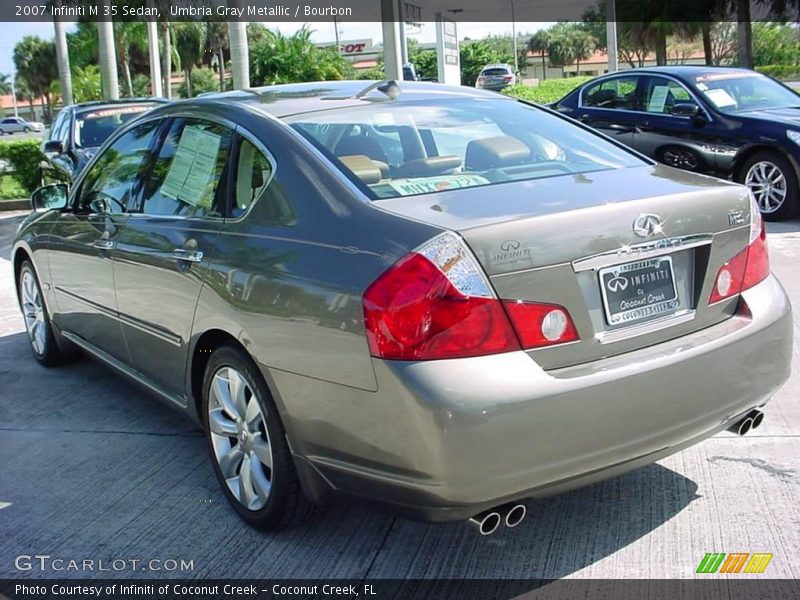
[427, 167]
[495, 152]
[355, 145]
[363, 167]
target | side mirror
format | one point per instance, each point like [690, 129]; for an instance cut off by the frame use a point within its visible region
[50, 197]
[53, 147]
[686, 109]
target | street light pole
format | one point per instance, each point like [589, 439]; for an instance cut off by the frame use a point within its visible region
[514, 39]
[611, 36]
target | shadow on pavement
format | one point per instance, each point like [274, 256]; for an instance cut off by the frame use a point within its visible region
[94, 468]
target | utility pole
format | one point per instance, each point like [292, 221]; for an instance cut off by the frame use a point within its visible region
[611, 36]
[336, 33]
[514, 38]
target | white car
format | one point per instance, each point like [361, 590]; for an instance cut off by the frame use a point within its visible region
[496, 77]
[19, 125]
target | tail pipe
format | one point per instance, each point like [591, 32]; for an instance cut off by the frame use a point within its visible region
[751, 420]
[486, 522]
[489, 521]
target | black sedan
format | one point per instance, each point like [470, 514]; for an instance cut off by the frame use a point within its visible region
[728, 122]
[80, 129]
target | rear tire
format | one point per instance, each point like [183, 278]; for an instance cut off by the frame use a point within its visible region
[247, 443]
[37, 319]
[773, 181]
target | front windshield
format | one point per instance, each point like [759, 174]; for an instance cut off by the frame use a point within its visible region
[94, 127]
[737, 92]
[410, 148]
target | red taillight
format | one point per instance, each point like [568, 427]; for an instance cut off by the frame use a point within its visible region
[743, 271]
[508, 77]
[413, 312]
[437, 303]
[541, 324]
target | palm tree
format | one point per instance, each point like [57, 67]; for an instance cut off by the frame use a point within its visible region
[5, 84]
[129, 34]
[539, 42]
[62, 58]
[217, 37]
[189, 40]
[240, 54]
[583, 45]
[108, 58]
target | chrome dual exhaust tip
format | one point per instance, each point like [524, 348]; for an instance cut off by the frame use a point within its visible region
[752, 420]
[486, 522]
[489, 521]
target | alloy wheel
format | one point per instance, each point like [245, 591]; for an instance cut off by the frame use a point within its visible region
[768, 184]
[33, 311]
[681, 159]
[239, 438]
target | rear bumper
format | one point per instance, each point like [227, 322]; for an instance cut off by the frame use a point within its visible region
[442, 440]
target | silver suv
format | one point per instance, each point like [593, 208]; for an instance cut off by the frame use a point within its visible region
[496, 77]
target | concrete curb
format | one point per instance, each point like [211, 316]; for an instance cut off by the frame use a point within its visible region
[22, 204]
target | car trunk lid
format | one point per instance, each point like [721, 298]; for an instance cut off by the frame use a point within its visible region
[562, 240]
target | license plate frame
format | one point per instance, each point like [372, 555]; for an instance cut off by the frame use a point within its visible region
[638, 291]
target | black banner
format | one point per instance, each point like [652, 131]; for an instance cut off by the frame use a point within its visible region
[310, 11]
[737, 587]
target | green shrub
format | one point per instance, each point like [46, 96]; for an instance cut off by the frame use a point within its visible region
[24, 156]
[10, 188]
[547, 91]
[785, 72]
[203, 80]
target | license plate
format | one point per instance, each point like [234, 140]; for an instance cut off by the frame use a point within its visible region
[638, 290]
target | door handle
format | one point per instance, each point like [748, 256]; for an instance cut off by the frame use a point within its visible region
[104, 244]
[187, 255]
[620, 127]
[584, 118]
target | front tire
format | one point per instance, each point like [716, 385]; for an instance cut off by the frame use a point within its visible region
[247, 443]
[773, 181]
[37, 319]
[27, 130]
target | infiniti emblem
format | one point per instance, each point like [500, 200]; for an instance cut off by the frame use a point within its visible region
[509, 246]
[647, 224]
[618, 283]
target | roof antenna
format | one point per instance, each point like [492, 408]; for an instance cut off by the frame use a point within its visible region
[389, 88]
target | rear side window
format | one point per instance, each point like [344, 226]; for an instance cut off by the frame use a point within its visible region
[253, 172]
[617, 93]
[186, 176]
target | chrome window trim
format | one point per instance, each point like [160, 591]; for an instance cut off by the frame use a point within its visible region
[644, 112]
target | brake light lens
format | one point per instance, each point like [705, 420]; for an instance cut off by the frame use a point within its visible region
[508, 77]
[436, 303]
[749, 267]
[541, 325]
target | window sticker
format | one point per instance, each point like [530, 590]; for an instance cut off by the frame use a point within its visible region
[191, 173]
[658, 99]
[426, 185]
[111, 112]
[720, 97]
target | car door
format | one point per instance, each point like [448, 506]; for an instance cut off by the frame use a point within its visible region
[611, 105]
[84, 238]
[162, 254]
[686, 142]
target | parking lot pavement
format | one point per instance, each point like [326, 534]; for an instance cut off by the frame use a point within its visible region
[94, 468]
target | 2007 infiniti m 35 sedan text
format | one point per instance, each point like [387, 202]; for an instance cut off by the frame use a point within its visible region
[437, 299]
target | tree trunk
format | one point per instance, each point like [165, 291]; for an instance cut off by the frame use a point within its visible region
[187, 74]
[544, 67]
[125, 66]
[155, 58]
[745, 30]
[108, 59]
[661, 49]
[708, 51]
[578, 67]
[167, 60]
[221, 60]
[240, 55]
[62, 57]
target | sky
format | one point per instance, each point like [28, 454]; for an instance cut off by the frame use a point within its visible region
[11, 33]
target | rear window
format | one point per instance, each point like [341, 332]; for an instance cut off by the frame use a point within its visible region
[493, 72]
[411, 148]
[93, 127]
